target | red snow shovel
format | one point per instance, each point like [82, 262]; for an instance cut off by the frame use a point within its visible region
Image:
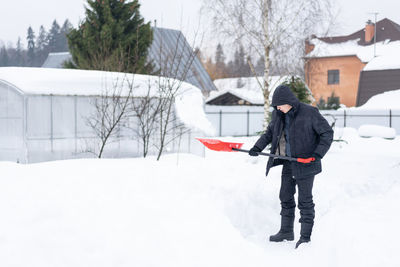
[218, 145]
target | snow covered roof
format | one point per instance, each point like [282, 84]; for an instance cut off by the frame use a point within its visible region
[167, 42]
[386, 100]
[351, 48]
[246, 88]
[56, 60]
[44, 81]
[387, 53]
[49, 81]
[388, 57]
[386, 29]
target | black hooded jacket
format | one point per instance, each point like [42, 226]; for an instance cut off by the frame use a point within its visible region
[309, 134]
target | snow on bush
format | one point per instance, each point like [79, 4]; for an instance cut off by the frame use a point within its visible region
[369, 130]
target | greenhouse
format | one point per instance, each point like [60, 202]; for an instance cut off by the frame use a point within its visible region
[45, 113]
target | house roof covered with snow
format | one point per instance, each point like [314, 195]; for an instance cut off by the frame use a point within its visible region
[388, 50]
[244, 89]
[56, 60]
[383, 55]
[386, 30]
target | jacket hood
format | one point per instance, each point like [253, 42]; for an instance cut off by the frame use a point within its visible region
[283, 95]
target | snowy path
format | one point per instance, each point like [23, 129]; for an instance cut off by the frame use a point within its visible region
[191, 211]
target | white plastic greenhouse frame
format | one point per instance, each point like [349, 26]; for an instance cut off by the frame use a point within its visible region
[43, 116]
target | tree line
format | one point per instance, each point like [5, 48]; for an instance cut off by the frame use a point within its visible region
[219, 67]
[38, 46]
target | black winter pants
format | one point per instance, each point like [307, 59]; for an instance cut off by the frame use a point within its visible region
[305, 198]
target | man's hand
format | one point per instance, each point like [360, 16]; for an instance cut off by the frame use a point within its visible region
[254, 151]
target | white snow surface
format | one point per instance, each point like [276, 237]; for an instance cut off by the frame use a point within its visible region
[186, 210]
[384, 62]
[68, 82]
[248, 89]
[387, 55]
[52, 81]
[386, 100]
[370, 130]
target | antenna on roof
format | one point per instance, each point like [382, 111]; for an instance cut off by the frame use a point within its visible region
[376, 14]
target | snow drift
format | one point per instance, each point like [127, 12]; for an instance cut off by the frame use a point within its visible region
[190, 211]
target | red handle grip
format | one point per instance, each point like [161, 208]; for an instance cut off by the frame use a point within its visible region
[307, 160]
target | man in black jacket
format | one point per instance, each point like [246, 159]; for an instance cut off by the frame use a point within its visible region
[296, 130]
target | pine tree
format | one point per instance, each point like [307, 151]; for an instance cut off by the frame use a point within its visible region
[321, 103]
[220, 68]
[113, 36]
[31, 47]
[19, 57]
[236, 64]
[210, 68]
[65, 29]
[4, 58]
[42, 46]
[219, 55]
[42, 39]
[299, 88]
[54, 37]
[242, 62]
[246, 67]
[259, 68]
[333, 102]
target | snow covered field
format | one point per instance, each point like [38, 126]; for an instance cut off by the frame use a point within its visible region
[192, 211]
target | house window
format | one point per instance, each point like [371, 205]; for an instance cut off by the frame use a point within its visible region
[333, 76]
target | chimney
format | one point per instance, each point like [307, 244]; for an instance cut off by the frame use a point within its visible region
[308, 45]
[369, 31]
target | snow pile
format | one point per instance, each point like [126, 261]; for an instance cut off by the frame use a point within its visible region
[246, 88]
[189, 108]
[386, 100]
[70, 82]
[376, 131]
[190, 211]
[386, 52]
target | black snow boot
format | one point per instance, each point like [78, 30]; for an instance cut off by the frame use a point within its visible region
[305, 234]
[286, 231]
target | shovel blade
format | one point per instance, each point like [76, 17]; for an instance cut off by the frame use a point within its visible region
[218, 145]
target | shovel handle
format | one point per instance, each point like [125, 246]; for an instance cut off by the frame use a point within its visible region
[301, 160]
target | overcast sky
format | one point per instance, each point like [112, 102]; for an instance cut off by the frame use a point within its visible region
[17, 16]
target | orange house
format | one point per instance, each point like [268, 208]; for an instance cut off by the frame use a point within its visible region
[334, 64]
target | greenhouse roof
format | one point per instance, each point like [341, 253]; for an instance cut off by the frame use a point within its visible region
[50, 81]
[68, 82]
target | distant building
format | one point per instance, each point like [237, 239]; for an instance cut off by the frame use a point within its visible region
[56, 60]
[357, 66]
[169, 48]
[243, 91]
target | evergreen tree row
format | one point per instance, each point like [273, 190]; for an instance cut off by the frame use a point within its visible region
[38, 46]
[237, 67]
